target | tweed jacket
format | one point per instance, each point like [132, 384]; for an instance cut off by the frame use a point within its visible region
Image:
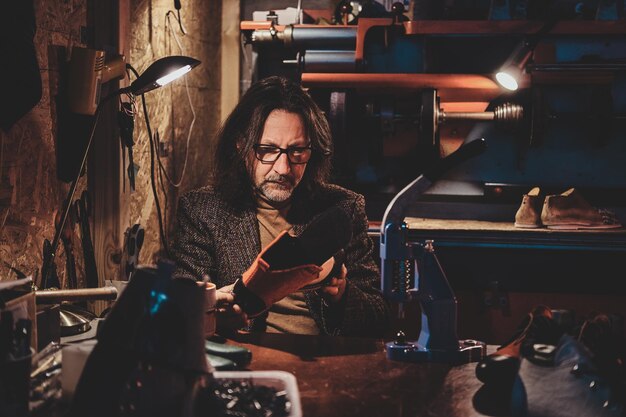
[214, 238]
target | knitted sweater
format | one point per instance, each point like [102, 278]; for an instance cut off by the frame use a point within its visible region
[214, 238]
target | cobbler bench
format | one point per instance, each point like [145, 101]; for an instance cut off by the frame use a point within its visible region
[499, 272]
[341, 376]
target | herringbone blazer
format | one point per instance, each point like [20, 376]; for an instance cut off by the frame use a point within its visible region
[216, 239]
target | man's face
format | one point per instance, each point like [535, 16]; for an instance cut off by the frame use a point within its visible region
[275, 181]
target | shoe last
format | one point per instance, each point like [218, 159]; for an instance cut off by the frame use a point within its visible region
[528, 215]
[570, 210]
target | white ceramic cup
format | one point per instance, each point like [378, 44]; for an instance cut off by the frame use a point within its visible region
[211, 299]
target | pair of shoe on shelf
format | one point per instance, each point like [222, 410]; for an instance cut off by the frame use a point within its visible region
[566, 211]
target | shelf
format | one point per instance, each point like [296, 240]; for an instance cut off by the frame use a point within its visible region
[513, 27]
[483, 27]
[451, 87]
[469, 233]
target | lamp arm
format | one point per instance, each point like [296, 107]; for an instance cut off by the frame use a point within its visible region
[46, 268]
[535, 38]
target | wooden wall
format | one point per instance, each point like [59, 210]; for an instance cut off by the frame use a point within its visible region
[169, 110]
[31, 193]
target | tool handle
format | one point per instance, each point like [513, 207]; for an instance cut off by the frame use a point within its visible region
[91, 270]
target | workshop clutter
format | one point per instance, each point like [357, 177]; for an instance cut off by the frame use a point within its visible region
[17, 330]
[566, 211]
[554, 366]
[150, 355]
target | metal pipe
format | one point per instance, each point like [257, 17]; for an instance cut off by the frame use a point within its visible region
[80, 294]
[379, 80]
[444, 116]
[308, 37]
[327, 61]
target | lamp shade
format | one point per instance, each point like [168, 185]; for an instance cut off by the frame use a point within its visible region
[510, 73]
[509, 77]
[162, 72]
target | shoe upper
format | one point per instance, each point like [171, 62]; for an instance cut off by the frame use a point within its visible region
[571, 208]
[529, 213]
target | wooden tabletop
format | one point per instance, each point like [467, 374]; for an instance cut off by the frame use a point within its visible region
[340, 376]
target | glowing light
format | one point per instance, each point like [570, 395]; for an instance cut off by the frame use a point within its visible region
[507, 80]
[166, 79]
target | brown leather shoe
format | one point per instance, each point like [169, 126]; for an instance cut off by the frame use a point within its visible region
[570, 211]
[538, 328]
[528, 215]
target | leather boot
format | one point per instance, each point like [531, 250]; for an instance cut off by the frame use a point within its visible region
[537, 331]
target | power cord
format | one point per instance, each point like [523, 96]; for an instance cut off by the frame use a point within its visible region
[177, 6]
[177, 184]
[152, 169]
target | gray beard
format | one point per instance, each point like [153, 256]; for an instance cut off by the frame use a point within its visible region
[273, 193]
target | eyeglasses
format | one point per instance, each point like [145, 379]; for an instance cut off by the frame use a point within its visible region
[268, 154]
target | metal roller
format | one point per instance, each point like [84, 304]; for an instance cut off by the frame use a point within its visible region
[431, 115]
[507, 113]
[324, 61]
[308, 37]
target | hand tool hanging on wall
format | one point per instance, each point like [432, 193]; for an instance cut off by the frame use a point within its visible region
[49, 277]
[126, 122]
[133, 241]
[83, 207]
[68, 246]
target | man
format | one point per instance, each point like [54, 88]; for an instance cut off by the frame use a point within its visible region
[272, 162]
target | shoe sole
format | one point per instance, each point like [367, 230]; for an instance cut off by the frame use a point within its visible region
[583, 226]
[527, 226]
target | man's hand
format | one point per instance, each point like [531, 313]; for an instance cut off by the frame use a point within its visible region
[229, 316]
[334, 291]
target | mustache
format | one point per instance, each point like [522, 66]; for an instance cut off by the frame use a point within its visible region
[280, 178]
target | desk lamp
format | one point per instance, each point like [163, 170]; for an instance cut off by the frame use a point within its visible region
[94, 72]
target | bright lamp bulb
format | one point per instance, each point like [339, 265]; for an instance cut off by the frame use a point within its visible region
[507, 80]
[173, 75]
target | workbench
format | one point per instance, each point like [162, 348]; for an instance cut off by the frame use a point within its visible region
[343, 376]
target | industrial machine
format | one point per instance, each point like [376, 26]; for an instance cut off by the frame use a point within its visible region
[403, 90]
[411, 271]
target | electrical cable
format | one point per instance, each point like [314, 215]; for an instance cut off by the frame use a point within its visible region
[152, 169]
[161, 182]
[299, 12]
[177, 6]
[177, 184]
[153, 179]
